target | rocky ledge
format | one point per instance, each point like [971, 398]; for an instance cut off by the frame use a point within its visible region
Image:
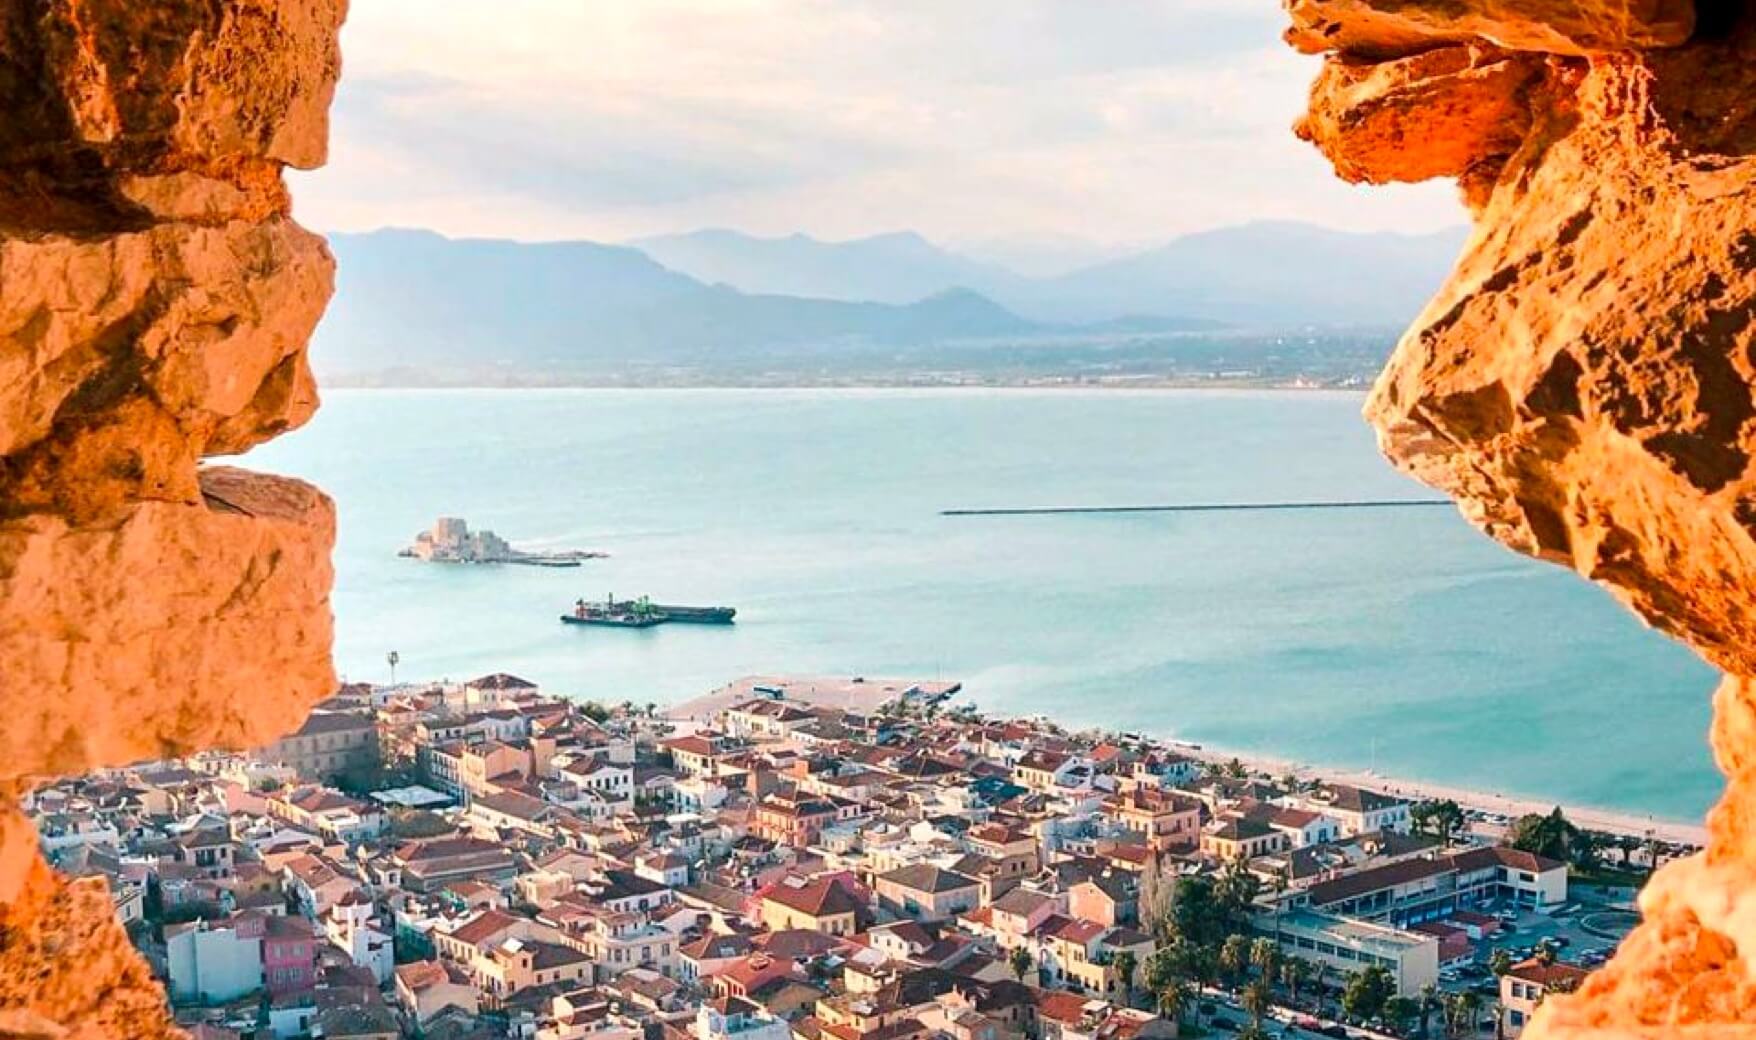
[156, 306]
[1583, 383]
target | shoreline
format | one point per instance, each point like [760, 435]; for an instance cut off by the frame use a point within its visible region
[870, 695]
[1611, 821]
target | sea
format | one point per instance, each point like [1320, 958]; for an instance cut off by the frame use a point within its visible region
[1400, 640]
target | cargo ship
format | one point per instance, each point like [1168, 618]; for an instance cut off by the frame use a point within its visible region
[643, 613]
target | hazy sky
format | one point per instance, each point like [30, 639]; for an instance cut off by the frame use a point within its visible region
[1120, 121]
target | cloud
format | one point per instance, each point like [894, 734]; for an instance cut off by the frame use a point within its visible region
[1123, 120]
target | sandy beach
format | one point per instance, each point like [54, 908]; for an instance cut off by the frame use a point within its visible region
[1606, 820]
[867, 695]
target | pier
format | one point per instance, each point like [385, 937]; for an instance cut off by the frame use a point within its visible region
[1206, 507]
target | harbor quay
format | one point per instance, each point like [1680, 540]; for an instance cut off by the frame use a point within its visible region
[817, 858]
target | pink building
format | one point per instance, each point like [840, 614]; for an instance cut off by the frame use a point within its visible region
[289, 955]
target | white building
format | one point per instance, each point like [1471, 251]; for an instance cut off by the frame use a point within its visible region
[1348, 945]
[349, 927]
[214, 962]
[1358, 810]
[734, 1018]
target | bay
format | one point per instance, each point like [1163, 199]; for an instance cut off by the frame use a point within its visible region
[1400, 639]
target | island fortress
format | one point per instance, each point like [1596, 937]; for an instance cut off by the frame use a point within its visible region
[451, 541]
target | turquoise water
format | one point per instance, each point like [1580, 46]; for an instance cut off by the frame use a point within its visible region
[1328, 637]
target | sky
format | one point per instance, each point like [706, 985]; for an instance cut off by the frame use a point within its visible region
[1019, 125]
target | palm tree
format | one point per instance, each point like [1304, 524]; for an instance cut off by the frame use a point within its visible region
[1176, 998]
[1293, 973]
[1126, 963]
[1264, 954]
[1234, 956]
[1323, 973]
[1257, 1000]
[1454, 1014]
[1429, 1000]
[1469, 1004]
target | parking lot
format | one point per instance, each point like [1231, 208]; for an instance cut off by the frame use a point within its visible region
[1584, 933]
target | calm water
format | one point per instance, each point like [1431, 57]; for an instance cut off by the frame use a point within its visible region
[814, 512]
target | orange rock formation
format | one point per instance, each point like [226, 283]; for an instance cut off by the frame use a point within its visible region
[155, 300]
[1582, 385]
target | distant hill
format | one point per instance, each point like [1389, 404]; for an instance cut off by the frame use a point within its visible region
[895, 268]
[1270, 273]
[418, 303]
[1262, 274]
[415, 299]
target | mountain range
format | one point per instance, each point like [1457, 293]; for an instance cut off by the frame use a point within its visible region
[1255, 275]
[416, 299]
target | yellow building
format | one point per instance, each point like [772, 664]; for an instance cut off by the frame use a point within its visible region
[820, 904]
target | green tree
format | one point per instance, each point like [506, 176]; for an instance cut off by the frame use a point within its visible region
[1499, 962]
[1126, 965]
[1323, 972]
[1398, 1011]
[1460, 1013]
[1235, 769]
[419, 823]
[1427, 1004]
[1442, 818]
[1235, 893]
[1167, 964]
[1367, 991]
[1197, 915]
[1265, 956]
[1257, 999]
[1175, 998]
[1020, 961]
[1293, 974]
[1234, 957]
[1551, 835]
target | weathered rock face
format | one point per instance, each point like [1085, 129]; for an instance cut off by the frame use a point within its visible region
[155, 302]
[1585, 383]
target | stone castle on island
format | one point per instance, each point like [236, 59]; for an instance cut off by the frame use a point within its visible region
[450, 540]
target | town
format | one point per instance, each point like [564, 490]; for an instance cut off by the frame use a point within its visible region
[811, 859]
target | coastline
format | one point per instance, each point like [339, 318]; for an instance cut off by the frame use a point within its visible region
[1611, 821]
[870, 695]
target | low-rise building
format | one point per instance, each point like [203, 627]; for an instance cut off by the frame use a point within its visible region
[329, 743]
[1524, 986]
[425, 988]
[924, 892]
[820, 904]
[1347, 945]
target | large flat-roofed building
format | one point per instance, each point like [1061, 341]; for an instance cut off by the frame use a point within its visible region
[1350, 945]
[1416, 890]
